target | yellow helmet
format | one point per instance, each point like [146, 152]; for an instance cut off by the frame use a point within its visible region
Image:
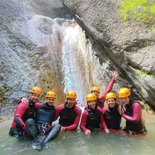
[95, 88]
[110, 95]
[91, 97]
[35, 90]
[51, 94]
[124, 92]
[71, 94]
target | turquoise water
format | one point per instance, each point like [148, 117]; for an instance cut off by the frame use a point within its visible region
[76, 143]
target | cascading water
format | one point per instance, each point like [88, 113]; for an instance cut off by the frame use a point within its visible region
[81, 68]
[66, 44]
[60, 59]
[74, 79]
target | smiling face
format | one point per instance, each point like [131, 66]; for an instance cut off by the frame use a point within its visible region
[91, 100]
[111, 102]
[125, 100]
[50, 101]
[71, 102]
[92, 104]
[34, 97]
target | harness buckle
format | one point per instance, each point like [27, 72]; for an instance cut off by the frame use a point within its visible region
[46, 125]
[43, 131]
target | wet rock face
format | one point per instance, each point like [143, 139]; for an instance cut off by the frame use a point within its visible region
[131, 46]
[24, 60]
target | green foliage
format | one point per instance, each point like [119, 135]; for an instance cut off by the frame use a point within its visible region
[142, 10]
[141, 74]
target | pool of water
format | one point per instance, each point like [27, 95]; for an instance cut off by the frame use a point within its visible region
[76, 143]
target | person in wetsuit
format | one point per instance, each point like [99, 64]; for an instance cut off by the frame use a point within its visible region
[46, 115]
[132, 112]
[95, 90]
[69, 113]
[23, 122]
[112, 113]
[92, 116]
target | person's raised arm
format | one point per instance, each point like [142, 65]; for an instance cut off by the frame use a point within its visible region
[114, 75]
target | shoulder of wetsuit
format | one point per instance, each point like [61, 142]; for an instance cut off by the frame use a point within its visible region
[98, 108]
[20, 100]
[105, 109]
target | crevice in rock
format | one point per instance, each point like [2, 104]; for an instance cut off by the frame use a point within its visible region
[138, 44]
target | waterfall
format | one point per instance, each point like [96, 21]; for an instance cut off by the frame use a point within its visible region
[66, 45]
[73, 46]
[72, 64]
[81, 67]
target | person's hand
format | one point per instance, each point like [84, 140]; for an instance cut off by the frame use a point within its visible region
[24, 127]
[122, 109]
[122, 112]
[107, 131]
[25, 100]
[88, 132]
[114, 75]
[62, 129]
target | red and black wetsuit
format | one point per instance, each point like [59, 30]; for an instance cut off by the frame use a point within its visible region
[92, 118]
[101, 100]
[112, 117]
[23, 112]
[69, 117]
[133, 116]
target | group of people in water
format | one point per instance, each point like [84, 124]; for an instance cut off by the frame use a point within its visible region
[33, 118]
